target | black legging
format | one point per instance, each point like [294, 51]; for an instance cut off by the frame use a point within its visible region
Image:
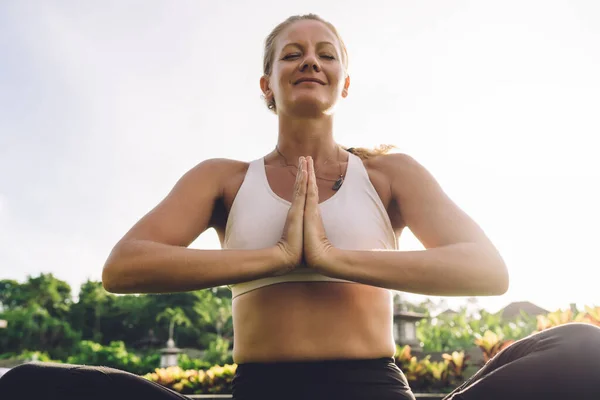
[558, 363]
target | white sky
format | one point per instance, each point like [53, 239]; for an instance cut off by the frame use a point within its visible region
[105, 104]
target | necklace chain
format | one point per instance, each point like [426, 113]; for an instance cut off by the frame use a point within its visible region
[338, 182]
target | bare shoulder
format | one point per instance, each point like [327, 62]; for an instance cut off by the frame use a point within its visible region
[399, 169]
[393, 163]
[190, 206]
[218, 167]
[384, 172]
[214, 174]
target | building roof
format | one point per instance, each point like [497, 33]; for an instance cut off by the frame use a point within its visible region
[447, 312]
[514, 309]
[409, 315]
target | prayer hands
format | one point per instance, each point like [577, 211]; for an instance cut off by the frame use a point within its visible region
[304, 239]
[316, 249]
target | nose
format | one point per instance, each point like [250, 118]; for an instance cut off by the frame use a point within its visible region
[310, 62]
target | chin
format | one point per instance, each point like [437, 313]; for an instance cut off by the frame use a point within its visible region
[310, 108]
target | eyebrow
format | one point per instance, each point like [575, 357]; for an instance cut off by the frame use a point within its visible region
[299, 45]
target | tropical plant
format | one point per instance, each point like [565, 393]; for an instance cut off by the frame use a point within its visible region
[457, 363]
[491, 344]
[175, 316]
[590, 315]
[425, 375]
[215, 380]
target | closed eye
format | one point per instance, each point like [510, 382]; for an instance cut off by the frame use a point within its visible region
[296, 55]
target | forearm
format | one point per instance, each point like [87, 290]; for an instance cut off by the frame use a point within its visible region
[148, 267]
[464, 269]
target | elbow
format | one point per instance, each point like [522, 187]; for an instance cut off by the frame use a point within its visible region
[113, 281]
[112, 273]
[500, 285]
[504, 280]
[110, 279]
[501, 280]
[492, 272]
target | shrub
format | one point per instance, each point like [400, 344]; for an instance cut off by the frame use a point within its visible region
[425, 375]
[186, 363]
[215, 380]
[218, 352]
[591, 315]
[115, 355]
[491, 344]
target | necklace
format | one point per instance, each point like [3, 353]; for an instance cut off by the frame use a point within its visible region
[338, 182]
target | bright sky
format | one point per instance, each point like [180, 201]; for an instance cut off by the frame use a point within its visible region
[105, 104]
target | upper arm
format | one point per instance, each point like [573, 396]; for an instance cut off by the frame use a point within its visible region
[426, 210]
[187, 209]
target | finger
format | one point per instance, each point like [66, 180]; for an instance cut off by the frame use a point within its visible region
[312, 188]
[300, 186]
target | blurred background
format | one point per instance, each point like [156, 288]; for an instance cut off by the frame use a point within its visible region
[105, 104]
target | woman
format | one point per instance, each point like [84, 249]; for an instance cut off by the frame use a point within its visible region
[309, 235]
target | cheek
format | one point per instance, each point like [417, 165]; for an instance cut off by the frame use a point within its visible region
[279, 81]
[336, 77]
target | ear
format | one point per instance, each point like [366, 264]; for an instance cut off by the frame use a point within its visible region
[264, 86]
[346, 86]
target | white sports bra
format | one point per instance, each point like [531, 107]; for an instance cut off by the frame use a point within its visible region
[354, 218]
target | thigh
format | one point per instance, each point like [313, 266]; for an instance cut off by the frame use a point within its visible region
[558, 363]
[67, 381]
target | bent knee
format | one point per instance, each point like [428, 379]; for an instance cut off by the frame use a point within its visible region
[17, 374]
[579, 341]
[35, 370]
[579, 331]
[26, 368]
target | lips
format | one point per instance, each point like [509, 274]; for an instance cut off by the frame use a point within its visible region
[309, 80]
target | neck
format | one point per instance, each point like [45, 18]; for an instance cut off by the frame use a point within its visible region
[307, 137]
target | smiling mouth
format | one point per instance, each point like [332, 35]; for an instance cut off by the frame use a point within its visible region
[309, 81]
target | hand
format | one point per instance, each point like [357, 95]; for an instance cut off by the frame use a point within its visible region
[291, 242]
[317, 248]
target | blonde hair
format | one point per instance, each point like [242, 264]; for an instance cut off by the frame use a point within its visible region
[365, 153]
[269, 54]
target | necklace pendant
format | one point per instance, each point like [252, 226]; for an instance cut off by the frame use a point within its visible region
[338, 184]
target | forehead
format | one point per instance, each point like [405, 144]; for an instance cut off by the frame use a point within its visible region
[306, 32]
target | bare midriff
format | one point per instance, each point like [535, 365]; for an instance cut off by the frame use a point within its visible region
[308, 321]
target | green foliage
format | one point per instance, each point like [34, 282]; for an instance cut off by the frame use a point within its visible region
[214, 309]
[458, 331]
[114, 355]
[46, 291]
[218, 352]
[27, 355]
[148, 362]
[95, 305]
[11, 294]
[175, 316]
[32, 327]
[185, 362]
[43, 316]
